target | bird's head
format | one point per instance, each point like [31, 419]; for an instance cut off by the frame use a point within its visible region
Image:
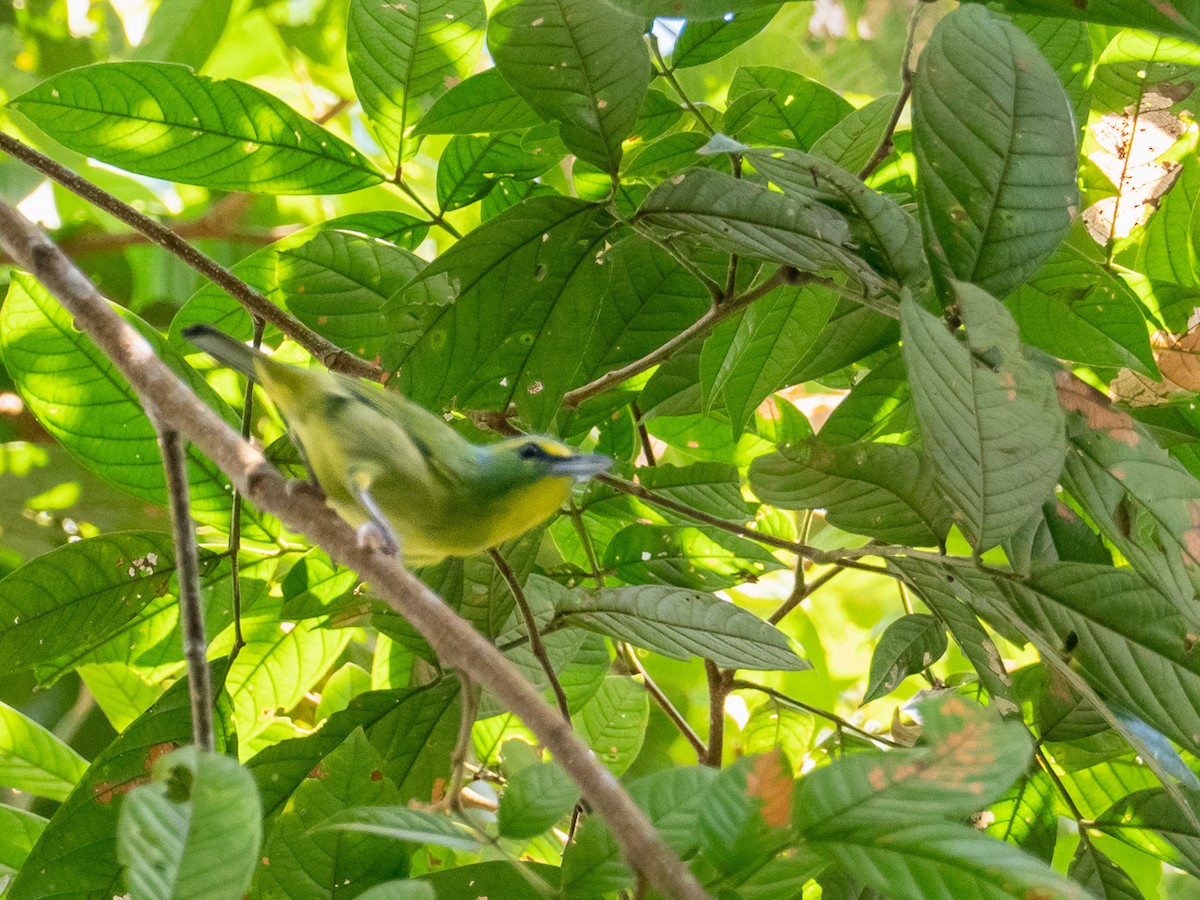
[530, 459]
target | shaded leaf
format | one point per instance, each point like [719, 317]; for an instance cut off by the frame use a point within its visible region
[908, 645]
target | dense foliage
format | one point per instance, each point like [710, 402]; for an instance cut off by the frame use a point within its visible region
[883, 311]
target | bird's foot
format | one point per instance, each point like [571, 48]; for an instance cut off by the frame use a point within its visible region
[373, 537]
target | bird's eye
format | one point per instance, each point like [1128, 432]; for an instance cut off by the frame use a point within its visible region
[531, 451]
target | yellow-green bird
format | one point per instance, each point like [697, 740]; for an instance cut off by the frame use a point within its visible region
[390, 465]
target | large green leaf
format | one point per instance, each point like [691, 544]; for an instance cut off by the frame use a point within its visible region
[165, 121]
[1141, 499]
[75, 598]
[1181, 17]
[891, 237]
[402, 56]
[1067, 46]
[77, 853]
[672, 799]
[1075, 309]
[503, 315]
[680, 624]
[914, 861]
[969, 758]
[1026, 815]
[737, 216]
[534, 799]
[184, 31]
[302, 861]
[1100, 875]
[481, 104]
[1151, 821]
[703, 558]
[336, 281]
[612, 724]
[703, 41]
[1169, 249]
[881, 490]
[19, 831]
[989, 417]
[35, 760]
[471, 164]
[200, 807]
[769, 105]
[580, 64]
[401, 823]
[86, 404]
[995, 147]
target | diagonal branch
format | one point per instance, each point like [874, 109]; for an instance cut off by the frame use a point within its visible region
[457, 644]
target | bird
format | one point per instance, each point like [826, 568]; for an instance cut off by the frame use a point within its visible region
[399, 473]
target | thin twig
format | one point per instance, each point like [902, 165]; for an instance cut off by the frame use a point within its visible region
[235, 524]
[885, 145]
[739, 685]
[536, 645]
[329, 354]
[589, 549]
[718, 689]
[668, 73]
[453, 639]
[643, 434]
[701, 327]
[187, 568]
[664, 703]
[801, 591]
[821, 557]
[468, 709]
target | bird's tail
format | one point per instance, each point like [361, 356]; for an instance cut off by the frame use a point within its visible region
[232, 353]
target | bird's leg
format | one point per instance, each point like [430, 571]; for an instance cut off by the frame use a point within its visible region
[458, 760]
[376, 532]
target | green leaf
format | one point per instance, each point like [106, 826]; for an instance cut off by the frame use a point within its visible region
[737, 216]
[672, 799]
[703, 558]
[746, 811]
[336, 282]
[1073, 308]
[852, 141]
[399, 823]
[19, 831]
[908, 645]
[660, 158]
[1026, 815]
[680, 624]
[302, 857]
[184, 31]
[995, 148]
[993, 430]
[341, 688]
[773, 106]
[747, 359]
[1141, 499]
[1179, 18]
[892, 238]
[77, 853]
[687, 9]
[775, 726]
[1169, 250]
[1100, 875]
[579, 64]
[1068, 48]
[879, 408]
[402, 57]
[880, 490]
[481, 104]
[651, 298]
[613, 722]
[535, 799]
[86, 404]
[276, 667]
[35, 760]
[497, 878]
[1086, 607]
[200, 807]
[496, 318]
[971, 759]
[75, 598]
[165, 121]
[412, 728]
[917, 860]
[1151, 821]
[402, 890]
[471, 164]
[851, 333]
[702, 41]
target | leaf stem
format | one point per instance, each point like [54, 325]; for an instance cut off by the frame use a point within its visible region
[740, 685]
[669, 74]
[435, 217]
[906, 85]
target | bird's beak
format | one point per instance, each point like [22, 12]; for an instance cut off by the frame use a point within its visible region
[581, 467]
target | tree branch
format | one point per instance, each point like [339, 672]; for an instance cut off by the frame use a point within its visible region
[457, 644]
[329, 354]
[187, 567]
[885, 145]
